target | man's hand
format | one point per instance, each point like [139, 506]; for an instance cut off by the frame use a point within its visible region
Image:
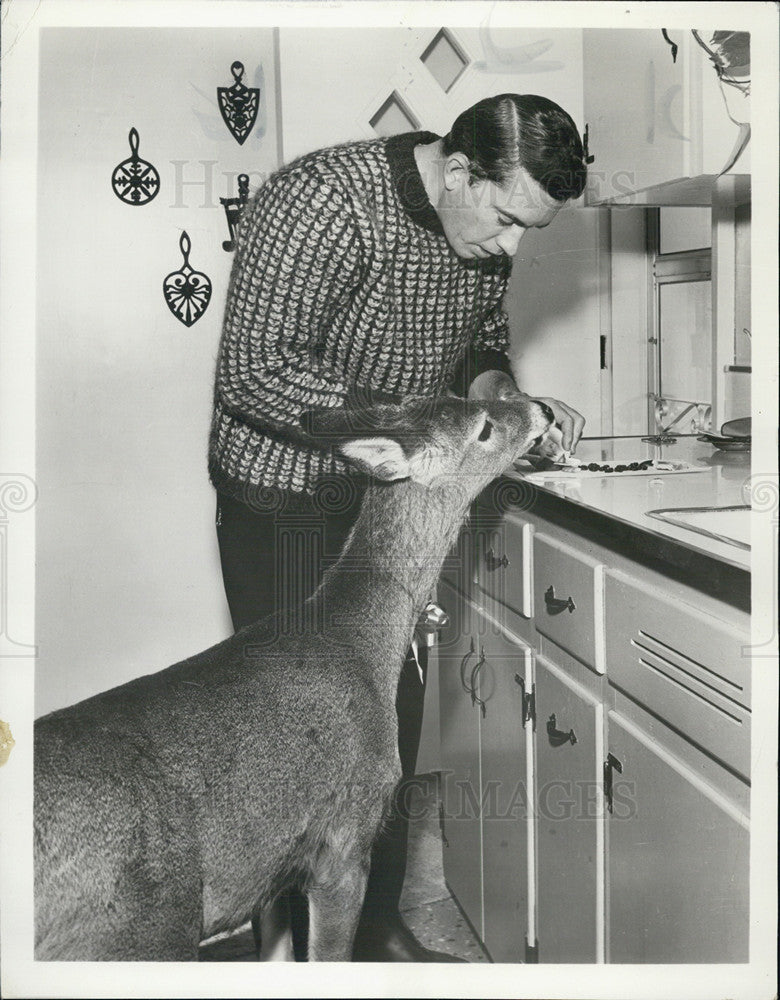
[569, 420]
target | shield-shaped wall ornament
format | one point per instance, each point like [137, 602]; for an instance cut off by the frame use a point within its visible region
[135, 181]
[187, 292]
[238, 105]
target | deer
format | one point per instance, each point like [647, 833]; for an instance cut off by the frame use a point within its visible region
[177, 805]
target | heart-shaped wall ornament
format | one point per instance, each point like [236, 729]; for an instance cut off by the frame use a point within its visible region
[135, 181]
[187, 292]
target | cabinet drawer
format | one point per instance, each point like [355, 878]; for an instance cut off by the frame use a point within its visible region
[458, 569]
[683, 664]
[503, 570]
[568, 589]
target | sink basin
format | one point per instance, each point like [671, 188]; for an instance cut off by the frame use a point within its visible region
[726, 524]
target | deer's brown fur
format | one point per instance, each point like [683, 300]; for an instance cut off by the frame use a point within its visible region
[174, 806]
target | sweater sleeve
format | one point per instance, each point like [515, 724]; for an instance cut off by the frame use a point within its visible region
[297, 260]
[489, 346]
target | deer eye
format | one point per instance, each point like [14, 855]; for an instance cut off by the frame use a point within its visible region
[487, 430]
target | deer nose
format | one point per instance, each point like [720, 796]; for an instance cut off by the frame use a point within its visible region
[548, 413]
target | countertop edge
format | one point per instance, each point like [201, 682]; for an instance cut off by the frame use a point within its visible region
[708, 573]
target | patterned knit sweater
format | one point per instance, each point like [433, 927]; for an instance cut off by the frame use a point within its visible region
[343, 281]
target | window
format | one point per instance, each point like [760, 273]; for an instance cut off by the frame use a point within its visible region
[444, 60]
[393, 117]
[680, 357]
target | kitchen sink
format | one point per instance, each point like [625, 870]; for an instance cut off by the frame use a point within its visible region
[726, 524]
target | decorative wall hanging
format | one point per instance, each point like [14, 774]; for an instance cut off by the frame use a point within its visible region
[135, 181]
[238, 105]
[233, 207]
[729, 52]
[187, 292]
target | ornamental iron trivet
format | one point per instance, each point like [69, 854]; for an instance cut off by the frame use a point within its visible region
[187, 292]
[135, 181]
[238, 105]
[233, 207]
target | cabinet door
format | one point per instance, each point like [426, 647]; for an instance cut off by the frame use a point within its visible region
[635, 111]
[503, 678]
[654, 117]
[460, 755]
[677, 860]
[570, 824]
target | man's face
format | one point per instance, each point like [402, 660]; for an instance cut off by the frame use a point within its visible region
[484, 219]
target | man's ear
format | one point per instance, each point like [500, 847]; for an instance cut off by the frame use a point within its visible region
[382, 457]
[456, 171]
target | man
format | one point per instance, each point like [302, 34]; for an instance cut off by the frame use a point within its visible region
[372, 267]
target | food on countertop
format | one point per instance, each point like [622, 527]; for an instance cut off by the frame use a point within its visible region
[629, 467]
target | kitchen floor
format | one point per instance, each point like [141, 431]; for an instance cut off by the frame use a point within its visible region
[426, 904]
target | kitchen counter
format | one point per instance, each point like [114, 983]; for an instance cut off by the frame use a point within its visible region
[613, 509]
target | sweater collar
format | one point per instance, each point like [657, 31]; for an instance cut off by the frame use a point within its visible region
[407, 180]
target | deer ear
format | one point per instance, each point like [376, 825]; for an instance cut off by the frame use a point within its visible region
[382, 457]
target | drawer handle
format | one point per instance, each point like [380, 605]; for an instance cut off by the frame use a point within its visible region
[556, 736]
[555, 605]
[610, 764]
[475, 699]
[463, 662]
[493, 562]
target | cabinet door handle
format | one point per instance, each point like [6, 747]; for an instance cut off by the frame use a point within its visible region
[463, 662]
[475, 699]
[589, 157]
[528, 701]
[555, 605]
[670, 43]
[556, 736]
[493, 562]
[610, 764]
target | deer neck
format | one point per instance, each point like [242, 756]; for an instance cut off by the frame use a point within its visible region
[387, 572]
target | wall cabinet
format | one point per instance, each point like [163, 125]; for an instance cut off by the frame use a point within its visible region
[597, 773]
[657, 123]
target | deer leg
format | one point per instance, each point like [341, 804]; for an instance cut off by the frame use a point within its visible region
[335, 901]
[272, 932]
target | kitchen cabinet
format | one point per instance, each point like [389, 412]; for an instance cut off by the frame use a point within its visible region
[486, 753]
[506, 743]
[460, 756]
[678, 860]
[569, 807]
[568, 597]
[658, 127]
[627, 713]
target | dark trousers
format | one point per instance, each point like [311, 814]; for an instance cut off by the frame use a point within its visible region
[273, 551]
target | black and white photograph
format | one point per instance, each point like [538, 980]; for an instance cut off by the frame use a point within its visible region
[388, 499]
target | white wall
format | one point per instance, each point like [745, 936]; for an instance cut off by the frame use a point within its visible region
[128, 576]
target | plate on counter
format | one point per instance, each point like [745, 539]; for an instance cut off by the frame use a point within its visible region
[614, 469]
[726, 443]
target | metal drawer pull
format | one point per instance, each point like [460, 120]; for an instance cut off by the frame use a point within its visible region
[494, 563]
[556, 736]
[528, 701]
[463, 662]
[475, 699]
[555, 605]
[610, 764]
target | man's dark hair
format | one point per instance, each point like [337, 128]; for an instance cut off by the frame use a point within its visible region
[508, 131]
